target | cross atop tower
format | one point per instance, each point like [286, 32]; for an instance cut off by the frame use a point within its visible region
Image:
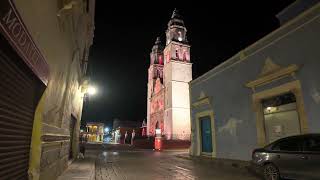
[175, 14]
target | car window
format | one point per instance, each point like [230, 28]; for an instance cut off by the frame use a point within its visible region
[290, 144]
[312, 144]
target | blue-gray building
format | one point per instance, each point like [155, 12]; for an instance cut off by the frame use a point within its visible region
[269, 90]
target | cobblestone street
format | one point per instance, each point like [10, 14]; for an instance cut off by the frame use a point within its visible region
[122, 165]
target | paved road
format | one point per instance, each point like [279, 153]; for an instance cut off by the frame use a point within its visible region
[149, 165]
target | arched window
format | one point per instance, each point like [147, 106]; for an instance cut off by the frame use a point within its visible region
[158, 73]
[160, 60]
[155, 59]
[177, 54]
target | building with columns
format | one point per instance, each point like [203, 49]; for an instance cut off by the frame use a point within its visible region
[94, 132]
[170, 71]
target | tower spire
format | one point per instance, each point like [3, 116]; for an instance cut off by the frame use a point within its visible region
[158, 41]
[176, 29]
[156, 55]
[157, 47]
[176, 18]
[175, 14]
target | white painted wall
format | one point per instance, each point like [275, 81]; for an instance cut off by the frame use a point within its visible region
[177, 101]
[181, 123]
[180, 94]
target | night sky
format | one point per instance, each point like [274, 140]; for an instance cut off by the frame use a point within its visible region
[124, 36]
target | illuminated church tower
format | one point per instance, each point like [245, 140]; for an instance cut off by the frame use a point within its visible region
[155, 99]
[170, 72]
[177, 74]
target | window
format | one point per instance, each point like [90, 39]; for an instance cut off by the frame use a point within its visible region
[177, 54]
[291, 144]
[160, 60]
[312, 144]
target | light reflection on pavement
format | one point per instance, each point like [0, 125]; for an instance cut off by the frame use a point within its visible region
[149, 165]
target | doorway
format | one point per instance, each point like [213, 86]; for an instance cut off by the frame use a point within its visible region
[206, 135]
[73, 121]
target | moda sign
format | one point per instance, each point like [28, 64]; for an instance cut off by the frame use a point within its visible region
[16, 33]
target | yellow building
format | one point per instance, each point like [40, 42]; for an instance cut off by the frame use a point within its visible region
[94, 132]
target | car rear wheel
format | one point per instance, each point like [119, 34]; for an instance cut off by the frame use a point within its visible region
[271, 172]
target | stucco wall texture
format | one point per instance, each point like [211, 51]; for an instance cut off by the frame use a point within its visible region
[297, 43]
[63, 33]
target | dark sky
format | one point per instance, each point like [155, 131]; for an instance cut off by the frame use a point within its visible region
[124, 36]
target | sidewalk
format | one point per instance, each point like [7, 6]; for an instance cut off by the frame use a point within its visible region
[80, 169]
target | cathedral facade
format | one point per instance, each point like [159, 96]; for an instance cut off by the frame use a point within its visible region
[169, 74]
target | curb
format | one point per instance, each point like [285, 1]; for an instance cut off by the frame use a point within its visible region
[244, 165]
[175, 150]
[218, 161]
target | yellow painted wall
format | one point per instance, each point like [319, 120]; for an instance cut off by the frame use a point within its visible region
[35, 151]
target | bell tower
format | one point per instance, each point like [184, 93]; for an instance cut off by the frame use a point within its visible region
[177, 75]
[155, 72]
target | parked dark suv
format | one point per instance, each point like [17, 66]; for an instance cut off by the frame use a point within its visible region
[294, 157]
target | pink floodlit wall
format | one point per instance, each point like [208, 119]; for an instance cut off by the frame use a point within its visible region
[154, 87]
[156, 109]
[177, 52]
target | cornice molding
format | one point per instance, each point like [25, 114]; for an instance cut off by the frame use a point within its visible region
[202, 100]
[271, 72]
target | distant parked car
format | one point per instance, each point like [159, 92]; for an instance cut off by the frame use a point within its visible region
[294, 157]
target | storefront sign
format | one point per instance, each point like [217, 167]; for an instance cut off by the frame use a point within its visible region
[12, 27]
